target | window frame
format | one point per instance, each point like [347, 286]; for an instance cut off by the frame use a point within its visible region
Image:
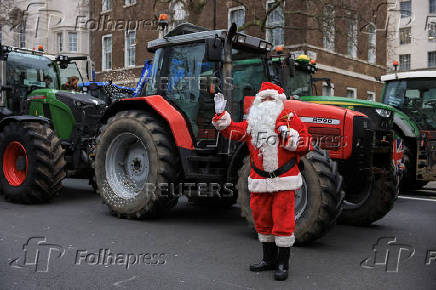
[128, 3]
[409, 38]
[331, 88]
[107, 7]
[373, 94]
[103, 54]
[269, 32]
[353, 36]
[229, 14]
[409, 63]
[331, 30]
[431, 54]
[372, 43]
[126, 49]
[354, 90]
[60, 41]
[70, 42]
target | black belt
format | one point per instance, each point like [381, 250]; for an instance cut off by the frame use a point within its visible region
[276, 173]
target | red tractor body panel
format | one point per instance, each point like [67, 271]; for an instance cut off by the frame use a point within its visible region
[331, 127]
[175, 119]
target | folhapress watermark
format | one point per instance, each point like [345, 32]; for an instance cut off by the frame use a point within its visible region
[39, 255]
[389, 255]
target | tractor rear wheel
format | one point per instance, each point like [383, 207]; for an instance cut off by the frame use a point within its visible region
[317, 204]
[134, 157]
[33, 164]
[375, 199]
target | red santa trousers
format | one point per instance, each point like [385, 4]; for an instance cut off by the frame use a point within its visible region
[274, 216]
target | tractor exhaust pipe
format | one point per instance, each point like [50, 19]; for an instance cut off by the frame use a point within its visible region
[227, 67]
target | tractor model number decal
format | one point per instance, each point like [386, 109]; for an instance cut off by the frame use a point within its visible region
[320, 120]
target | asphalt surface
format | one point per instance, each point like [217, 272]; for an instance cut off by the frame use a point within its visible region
[74, 242]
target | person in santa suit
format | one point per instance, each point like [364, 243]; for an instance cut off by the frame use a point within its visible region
[276, 139]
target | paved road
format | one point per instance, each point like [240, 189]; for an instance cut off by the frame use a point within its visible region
[79, 245]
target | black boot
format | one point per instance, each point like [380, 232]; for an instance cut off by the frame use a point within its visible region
[269, 261]
[281, 272]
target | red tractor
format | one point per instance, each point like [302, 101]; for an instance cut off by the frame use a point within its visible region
[154, 148]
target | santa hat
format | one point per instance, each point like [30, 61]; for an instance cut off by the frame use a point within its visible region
[270, 89]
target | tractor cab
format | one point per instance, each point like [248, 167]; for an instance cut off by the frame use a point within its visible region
[191, 64]
[413, 95]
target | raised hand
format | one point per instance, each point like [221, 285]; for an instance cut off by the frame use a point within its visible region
[220, 103]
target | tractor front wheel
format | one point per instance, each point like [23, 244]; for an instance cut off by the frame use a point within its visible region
[318, 202]
[32, 164]
[134, 157]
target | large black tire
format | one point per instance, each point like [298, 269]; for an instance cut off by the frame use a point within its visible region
[163, 165]
[44, 169]
[383, 191]
[324, 196]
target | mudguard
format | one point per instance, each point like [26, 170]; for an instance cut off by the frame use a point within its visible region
[24, 118]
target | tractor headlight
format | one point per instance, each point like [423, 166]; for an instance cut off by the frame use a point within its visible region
[383, 113]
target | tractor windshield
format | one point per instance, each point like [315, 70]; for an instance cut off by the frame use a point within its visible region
[183, 75]
[416, 98]
[27, 72]
[300, 84]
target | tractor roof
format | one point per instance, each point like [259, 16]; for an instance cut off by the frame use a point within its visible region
[188, 33]
[410, 75]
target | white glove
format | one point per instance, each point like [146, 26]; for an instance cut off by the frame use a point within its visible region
[220, 103]
[284, 131]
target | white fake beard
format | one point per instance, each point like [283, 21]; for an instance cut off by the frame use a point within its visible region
[262, 121]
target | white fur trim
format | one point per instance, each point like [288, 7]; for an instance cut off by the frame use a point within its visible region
[294, 139]
[266, 238]
[275, 184]
[273, 93]
[282, 97]
[270, 155]
[285, 241]
[223, 122]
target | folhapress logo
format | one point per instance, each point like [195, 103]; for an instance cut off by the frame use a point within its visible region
[37, 255]
[388, 254]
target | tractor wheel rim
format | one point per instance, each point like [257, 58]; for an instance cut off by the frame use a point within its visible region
[13, 153]
[127, 165]
[301, 199]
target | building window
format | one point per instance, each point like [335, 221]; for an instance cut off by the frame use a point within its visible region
[1, 33]
[106, 5]
[352, 38]
[72, 41]
[237, 16]
[371, 96]
[129, 2]
[372, 43]
[328, 27]
[22, 35]
[404, 62]
[351, 93]
[275, 22]
[60, 41]
[432, 32]
[406, 9]
[107, 52]
[432, 59]
[432, 6]
[405, 35]
[328, 90]
[130, 51]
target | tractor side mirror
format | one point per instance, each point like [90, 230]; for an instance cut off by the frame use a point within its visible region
[214, 47]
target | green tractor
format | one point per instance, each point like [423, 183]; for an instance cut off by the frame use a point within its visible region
[413, 96]
[371, 188]
[46, 133]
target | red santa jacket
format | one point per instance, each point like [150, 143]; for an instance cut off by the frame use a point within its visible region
[272, 157]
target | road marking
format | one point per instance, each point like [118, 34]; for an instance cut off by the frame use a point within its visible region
[417, 198]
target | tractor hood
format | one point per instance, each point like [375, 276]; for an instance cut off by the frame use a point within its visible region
[78, 99]
[342, 101]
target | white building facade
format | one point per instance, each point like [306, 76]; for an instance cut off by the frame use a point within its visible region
[412, 34]
[52, 24]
